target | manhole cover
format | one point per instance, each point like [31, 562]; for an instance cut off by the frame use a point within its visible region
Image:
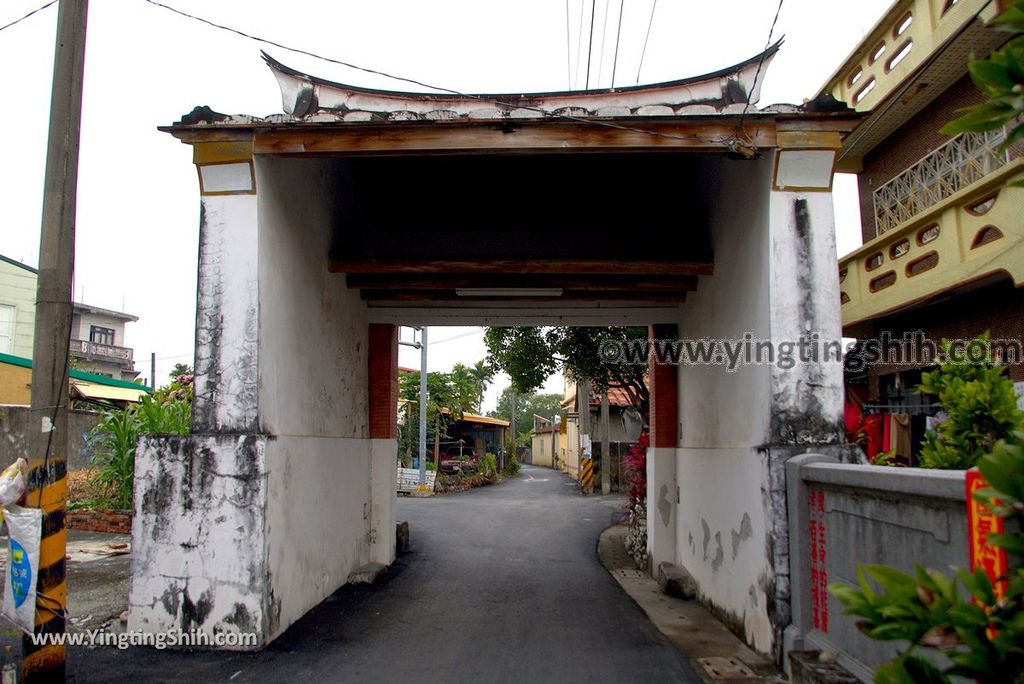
[726, 668]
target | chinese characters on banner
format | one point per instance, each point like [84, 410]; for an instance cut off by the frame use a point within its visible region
[819, 572]
[980, 523]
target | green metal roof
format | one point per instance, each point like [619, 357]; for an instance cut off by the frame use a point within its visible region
[76, 374]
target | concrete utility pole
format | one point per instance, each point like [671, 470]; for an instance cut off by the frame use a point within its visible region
[423, 405]
[152, 370]
[513, 423]
[47, 481]
[606, 447]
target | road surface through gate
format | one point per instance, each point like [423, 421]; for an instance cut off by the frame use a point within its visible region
[502, 584]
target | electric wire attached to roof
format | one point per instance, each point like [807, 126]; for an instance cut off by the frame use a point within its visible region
[719, 140]
[643, 53]
[760, 63]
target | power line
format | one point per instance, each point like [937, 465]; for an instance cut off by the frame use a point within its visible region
[458, 93]
[21, 19]
[568, 48]
[600, 53]
[618, 34]
[590, 42]
[760, 62]
[650, 23]
[579, 46]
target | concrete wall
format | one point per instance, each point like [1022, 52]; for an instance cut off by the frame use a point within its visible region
[541, 450]
[279, 493]
[774, 279]
[313, 390]
[850, 514]
[18, 290]
[14, 425]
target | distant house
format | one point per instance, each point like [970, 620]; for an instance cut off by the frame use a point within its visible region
[86, 390]
[623, 428]
[97, 335]
[17, 307]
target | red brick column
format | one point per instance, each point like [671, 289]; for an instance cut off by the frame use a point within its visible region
[382, 364]
[663, 382]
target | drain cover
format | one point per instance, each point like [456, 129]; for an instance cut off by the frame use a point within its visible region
[726, 668]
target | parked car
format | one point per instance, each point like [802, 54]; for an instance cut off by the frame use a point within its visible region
[456, 459]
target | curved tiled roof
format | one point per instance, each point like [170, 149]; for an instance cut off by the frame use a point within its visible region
[313, 99]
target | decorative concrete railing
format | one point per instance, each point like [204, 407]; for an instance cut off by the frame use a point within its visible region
[907, 36]
[950, 168]
[973, 233]
[105, 352]
[841, 515]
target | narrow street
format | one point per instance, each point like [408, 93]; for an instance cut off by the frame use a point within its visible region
[502, 584]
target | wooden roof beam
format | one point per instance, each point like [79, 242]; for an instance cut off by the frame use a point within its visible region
[517, 266]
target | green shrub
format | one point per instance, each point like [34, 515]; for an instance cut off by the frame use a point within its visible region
[511, 467]
[487, 465]
[115, 437]
[981, 406]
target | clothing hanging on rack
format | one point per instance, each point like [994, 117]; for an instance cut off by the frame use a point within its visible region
[901, 442]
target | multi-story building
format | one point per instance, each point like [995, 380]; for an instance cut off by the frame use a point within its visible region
[943, 231]
[97, 335]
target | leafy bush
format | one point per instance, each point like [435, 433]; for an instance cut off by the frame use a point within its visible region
[114, 439]
[1001, 79]
[512, 467]
[981, 406]
[487, 465]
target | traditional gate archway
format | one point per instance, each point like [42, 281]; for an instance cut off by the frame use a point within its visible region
[677, 206]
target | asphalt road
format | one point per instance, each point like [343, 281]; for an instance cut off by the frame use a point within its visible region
[502, 584]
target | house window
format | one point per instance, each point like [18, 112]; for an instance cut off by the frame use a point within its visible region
[6, 328]
[101, 335]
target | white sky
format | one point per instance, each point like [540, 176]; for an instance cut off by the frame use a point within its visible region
[138, 202]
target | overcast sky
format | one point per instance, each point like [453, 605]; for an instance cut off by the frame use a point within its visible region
[138, 201]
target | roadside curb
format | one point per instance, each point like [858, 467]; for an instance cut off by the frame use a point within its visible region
[714, 653]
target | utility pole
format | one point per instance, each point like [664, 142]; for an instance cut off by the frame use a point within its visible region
[513, 425]
[423, 405]
[152, 370]
[606, 450]
[47, 481]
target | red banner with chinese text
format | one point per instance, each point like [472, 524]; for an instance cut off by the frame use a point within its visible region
[982, 522]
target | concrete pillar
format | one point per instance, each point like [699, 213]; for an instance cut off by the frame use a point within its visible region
[775, 283]
[279, 493]
[661, 455]
[199, 532]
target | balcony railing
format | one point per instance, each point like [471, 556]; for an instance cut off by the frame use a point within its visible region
[102, 352]
[960, 162]
[974, 233]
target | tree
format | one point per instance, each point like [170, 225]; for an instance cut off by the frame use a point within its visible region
[449, 396]
[181, 369]
[478, 376]
[526, 405]
[1001, 79]
[483, 376]
[531, 355]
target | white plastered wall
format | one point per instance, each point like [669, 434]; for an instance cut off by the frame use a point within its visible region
[313, 395]
[721, 526]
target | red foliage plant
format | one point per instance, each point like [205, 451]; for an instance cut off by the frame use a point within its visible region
[636, 469]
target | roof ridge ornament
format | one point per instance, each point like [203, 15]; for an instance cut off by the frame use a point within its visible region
[304, 94]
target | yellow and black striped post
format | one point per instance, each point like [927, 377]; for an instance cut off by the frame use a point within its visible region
[587, 475]
[48, 486]
[47, 479]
